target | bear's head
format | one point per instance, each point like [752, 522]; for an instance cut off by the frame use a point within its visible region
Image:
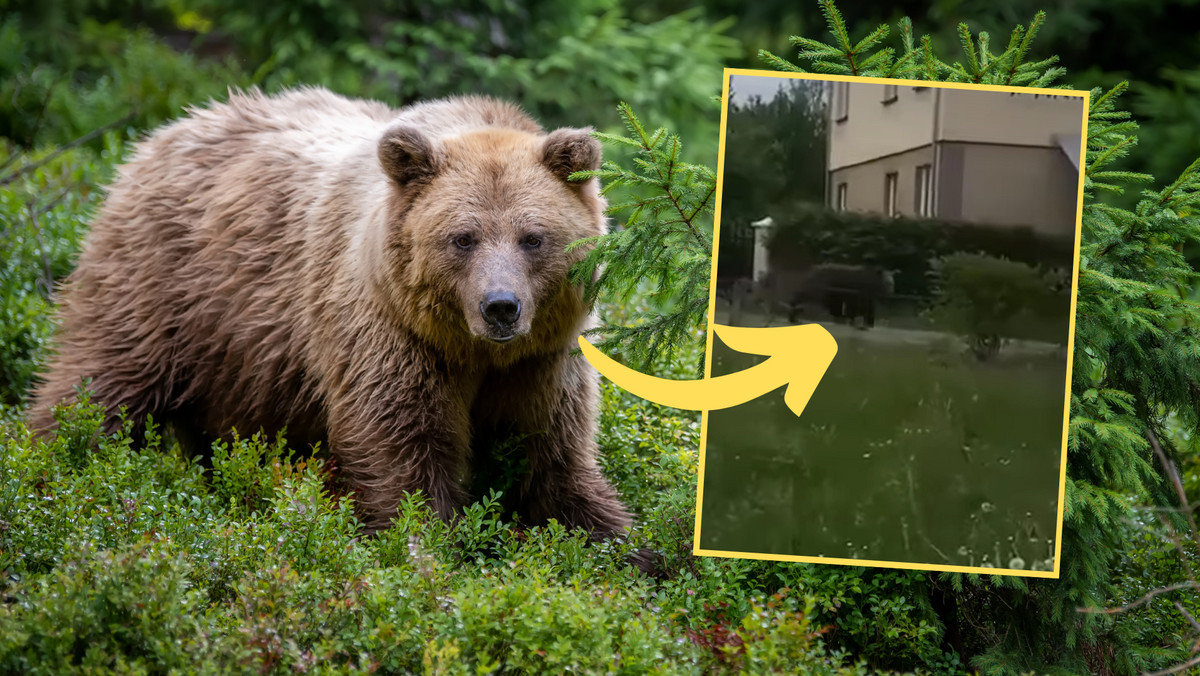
[479, 225]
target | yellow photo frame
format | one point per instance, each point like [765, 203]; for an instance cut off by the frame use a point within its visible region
[893, 91]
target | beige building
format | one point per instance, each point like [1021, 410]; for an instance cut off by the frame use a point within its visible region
[955, 154]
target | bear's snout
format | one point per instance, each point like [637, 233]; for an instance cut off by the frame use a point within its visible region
[501, 310]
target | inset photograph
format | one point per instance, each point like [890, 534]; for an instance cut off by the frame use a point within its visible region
[933, 230]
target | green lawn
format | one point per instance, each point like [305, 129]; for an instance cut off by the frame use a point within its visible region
[903, 454]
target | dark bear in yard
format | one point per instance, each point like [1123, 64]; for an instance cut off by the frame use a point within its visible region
[845, 291]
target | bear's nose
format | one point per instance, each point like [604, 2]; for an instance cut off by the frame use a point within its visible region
[501, 309]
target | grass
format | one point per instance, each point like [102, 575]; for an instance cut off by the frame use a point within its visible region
[905, 453]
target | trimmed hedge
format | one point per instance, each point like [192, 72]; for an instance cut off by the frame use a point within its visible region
[810, 233]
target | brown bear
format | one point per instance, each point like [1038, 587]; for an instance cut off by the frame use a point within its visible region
[391, 283]
[845, 291]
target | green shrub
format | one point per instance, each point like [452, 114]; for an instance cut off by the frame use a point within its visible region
[130, 610]
[247, 473]
[111, 76]
[533, 625]
[258, 565]
[46, 198]
[988, 299]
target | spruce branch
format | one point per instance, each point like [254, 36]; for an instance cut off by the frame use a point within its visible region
[964, 35]
[1016, 54]
[906, 35]
[837, 25]
[1189, 183]
[901, 67]
[931, 63]
[847, 57]
[662, 253]
[780, 64]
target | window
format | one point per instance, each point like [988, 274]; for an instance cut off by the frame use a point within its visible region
[841, 196]
[924, 191]
[841, 100]
[890, 93]
[889, 194]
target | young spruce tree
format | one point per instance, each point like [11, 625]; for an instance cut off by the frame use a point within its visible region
[666, 243]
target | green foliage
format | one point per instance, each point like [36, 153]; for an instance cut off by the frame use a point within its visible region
[498, 617]
[46, 198]
[980, 65]
[665, 245]
[109, 77]
[125, 611]
[1156, 573]
[880, 615]
[775, 634]
[988, 299]
[774, 152]
[246, 473]
[118, 557]
[1171, 140]
[75, 68]
[450, 45]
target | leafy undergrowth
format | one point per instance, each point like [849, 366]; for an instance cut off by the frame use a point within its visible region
[135, 559]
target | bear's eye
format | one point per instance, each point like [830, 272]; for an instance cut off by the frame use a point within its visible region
[531, 242]
[464, 241]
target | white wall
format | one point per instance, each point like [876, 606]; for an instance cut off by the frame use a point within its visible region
[874, 129]
[1001, 117]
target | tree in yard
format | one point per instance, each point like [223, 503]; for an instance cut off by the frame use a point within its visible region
[774, 157]
[774, 150]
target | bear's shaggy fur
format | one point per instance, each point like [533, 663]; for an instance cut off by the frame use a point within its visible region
[389, 283]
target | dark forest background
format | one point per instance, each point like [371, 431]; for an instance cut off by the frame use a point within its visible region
[117, 558]
[67, 68]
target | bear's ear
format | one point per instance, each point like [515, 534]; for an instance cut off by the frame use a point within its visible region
[408, 156]
[566, 151]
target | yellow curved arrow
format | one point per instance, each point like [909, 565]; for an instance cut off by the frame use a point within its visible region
[799, 357]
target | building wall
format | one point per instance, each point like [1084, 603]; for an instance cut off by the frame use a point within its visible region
[1008, 185]
[873, 128]
[865, 182]
[1001, 117]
